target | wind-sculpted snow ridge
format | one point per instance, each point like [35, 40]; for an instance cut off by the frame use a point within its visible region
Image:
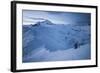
[54, 37]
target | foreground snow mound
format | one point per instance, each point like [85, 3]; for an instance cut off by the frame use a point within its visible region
[42, 54]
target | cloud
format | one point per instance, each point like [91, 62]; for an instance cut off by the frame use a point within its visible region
[56, 17]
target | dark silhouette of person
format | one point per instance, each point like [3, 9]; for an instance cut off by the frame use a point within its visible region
[75, 45]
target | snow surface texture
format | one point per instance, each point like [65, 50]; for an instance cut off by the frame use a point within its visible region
[46, 41]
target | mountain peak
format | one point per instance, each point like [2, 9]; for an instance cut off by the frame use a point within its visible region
[47, 22]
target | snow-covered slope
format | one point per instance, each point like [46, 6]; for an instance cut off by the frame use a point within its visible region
[54, 37]
[42, 54]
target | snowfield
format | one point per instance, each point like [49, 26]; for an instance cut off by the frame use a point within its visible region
[81, 53]
[46, 41]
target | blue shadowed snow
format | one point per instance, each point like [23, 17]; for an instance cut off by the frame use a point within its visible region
[45, 40]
